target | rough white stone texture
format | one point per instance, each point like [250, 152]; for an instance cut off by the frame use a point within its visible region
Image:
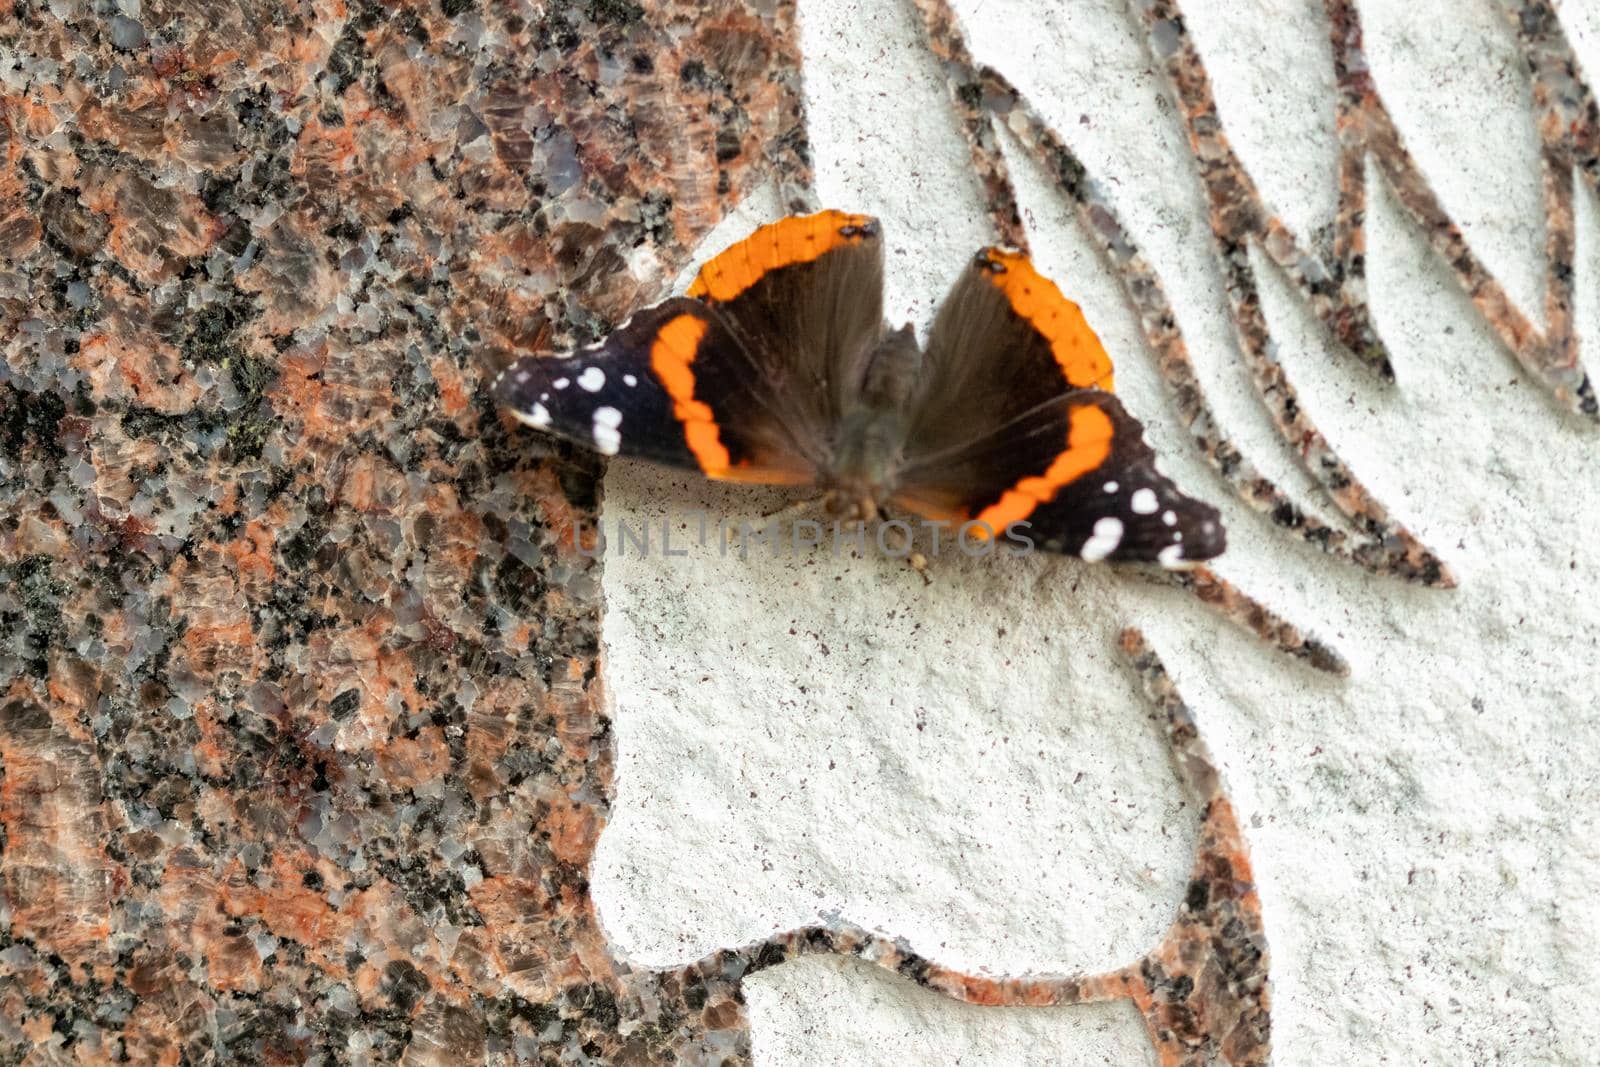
[968, 765]
[1453, 76]
[821, 1010]
[1582, 21]
[1271, 68]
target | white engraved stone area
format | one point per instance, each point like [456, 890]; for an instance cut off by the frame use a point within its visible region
[968, 765]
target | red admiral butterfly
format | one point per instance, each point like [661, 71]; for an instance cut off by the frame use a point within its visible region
[777, 368]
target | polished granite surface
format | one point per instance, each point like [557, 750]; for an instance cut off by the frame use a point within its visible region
[304, 744]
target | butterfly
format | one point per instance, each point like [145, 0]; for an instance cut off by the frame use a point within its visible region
[777, 368]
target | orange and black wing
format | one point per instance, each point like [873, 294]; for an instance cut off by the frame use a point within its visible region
[1015, 422]
[804, 296]
[744, 379]
[672, 385]
[1073, 475]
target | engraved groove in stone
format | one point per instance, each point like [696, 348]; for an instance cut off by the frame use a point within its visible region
[1251, 615]
[1172, 355]
[1392, 550]
[1569, 132]
[995, 97]
[1238, 217]
[966, 89]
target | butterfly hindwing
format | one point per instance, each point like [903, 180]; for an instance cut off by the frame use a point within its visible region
[672, 385]
[1015, 422]
[1078, 473]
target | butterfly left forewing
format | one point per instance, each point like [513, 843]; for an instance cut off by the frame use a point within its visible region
[804, 295]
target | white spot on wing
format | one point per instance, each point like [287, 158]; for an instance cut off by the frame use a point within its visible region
[560, 383]
[593, 380]
[607, 438]
[1169, 517]
[522, 377]
[1111, 487]
[537, 416]
[1144, 502]
[1104, 541]
[1171, 556]
[629, 380]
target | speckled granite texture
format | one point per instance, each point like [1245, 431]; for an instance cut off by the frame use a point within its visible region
[302, 742]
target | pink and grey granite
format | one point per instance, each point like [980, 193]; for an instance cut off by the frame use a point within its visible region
[302, 732]
[303, 749]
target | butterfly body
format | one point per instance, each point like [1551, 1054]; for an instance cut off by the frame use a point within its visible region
[777, 368]
[870, 444]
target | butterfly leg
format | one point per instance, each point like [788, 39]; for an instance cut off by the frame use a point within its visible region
[788, 511]
[800, 507]
[901, 544]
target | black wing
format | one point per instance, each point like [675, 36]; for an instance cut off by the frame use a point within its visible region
[672, 385]
[805, 297]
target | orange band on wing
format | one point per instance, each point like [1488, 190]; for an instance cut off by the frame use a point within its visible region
[1089, 436]
[796, 239]
[1073, 342]
[672, 359]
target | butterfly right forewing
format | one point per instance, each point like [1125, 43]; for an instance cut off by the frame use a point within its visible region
[1015, 423]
